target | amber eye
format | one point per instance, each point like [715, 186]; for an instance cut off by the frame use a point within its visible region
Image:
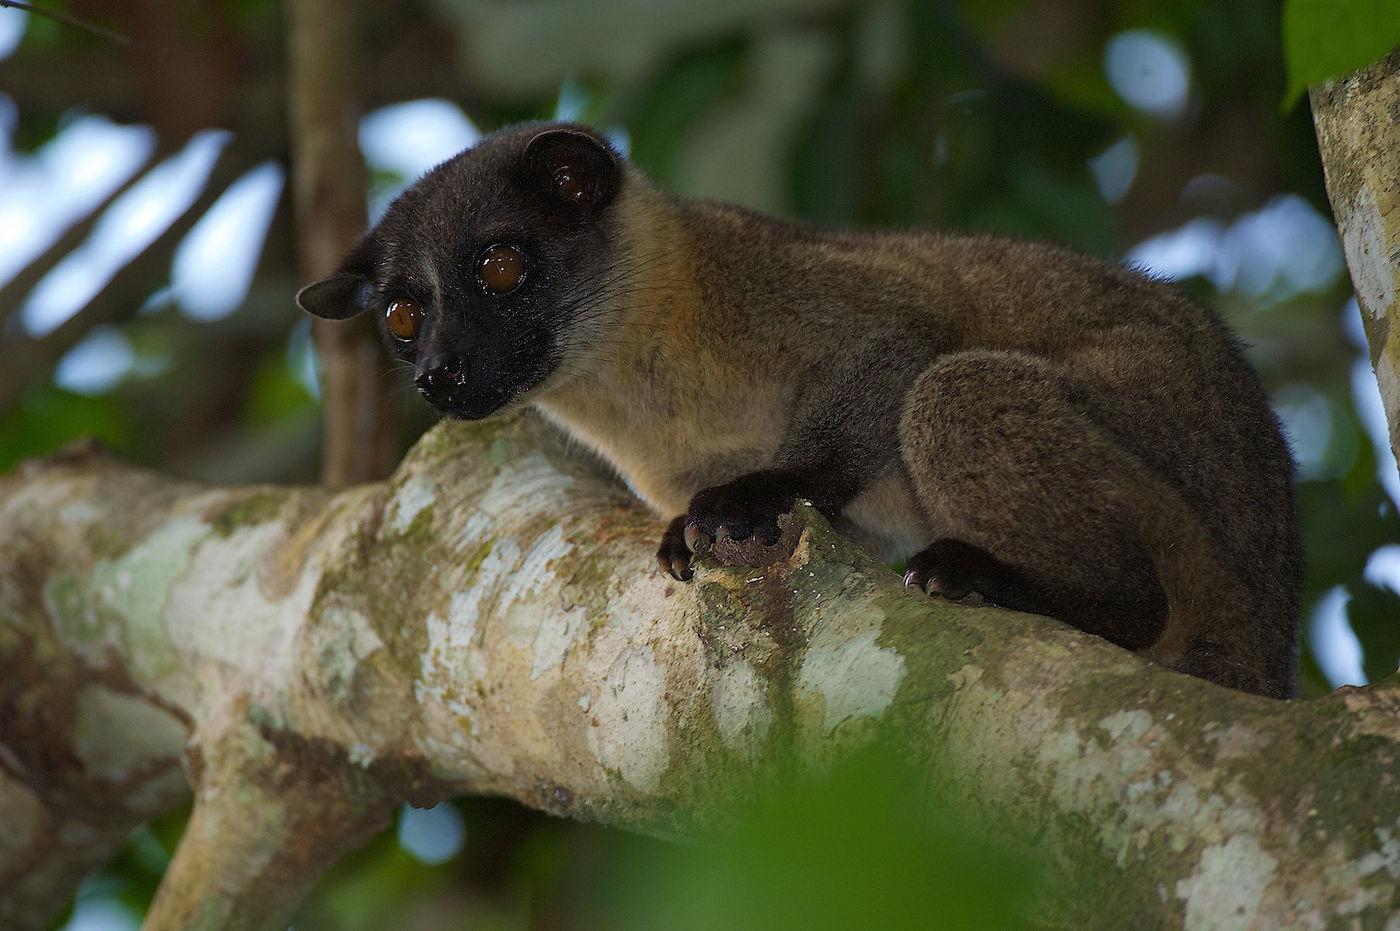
[404, 318]
[501, 269]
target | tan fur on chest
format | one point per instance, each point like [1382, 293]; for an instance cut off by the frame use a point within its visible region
[666, 401]
[669, 445]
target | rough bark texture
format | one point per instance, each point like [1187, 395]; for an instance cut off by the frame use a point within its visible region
[1358, 133]
[490, 620]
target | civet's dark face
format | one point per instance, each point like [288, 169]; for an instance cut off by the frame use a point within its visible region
[480, 271]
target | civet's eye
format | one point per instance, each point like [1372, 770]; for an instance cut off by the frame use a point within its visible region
[501, 269]
[404, 318]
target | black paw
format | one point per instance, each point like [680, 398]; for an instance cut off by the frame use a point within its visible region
[746, 507]
[673, 554]
[953, 570]
[962, 572]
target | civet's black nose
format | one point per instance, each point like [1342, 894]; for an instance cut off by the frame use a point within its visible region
[440, 377]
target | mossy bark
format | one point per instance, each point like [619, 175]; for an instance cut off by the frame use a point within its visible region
[491, 620]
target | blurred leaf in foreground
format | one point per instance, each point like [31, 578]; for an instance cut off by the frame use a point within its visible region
[1326, 38]
[851, 850]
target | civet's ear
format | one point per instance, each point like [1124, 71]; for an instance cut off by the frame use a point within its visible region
[573, 167]
[348, 291]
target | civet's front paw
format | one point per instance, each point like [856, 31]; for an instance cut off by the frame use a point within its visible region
[748, 507]
[740, 519]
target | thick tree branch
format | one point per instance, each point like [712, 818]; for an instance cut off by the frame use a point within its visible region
[490, 620]
[1358, 134]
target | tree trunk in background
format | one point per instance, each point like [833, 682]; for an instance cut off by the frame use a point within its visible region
[326, 48]
[491, 620]
[1358, 134]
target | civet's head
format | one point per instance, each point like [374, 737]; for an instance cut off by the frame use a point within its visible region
[489, 270]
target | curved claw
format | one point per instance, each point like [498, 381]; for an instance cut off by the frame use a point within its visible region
[673, 555]
[693, 536]
[938, 571]
[676, 565]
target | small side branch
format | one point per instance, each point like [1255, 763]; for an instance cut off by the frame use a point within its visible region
[60, 17]
[266, 824]
[24, 361]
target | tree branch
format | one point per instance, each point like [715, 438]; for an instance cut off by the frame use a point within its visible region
[59, 16]
[1358, 134]
[23, 360]
[13, 292]
[490, 620]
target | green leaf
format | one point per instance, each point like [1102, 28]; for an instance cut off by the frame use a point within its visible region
[48, 416]
[665, 108]
[275, 395]
[856, 850]
[1326, 38]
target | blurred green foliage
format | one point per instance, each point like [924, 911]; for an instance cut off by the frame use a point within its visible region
[1326, 38]
[980, 116]
[855, 848]
[851, 848]
[49, 416]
